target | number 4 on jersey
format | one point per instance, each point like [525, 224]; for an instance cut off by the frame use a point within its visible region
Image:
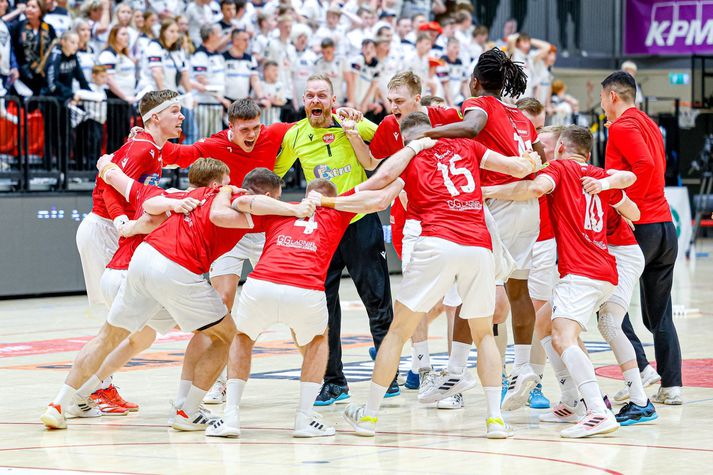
[309, 224]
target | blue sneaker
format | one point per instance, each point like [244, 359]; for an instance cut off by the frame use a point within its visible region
[331, 393]
[372, 353]
[412, 380]
[537, 399]
[505, 385]
[393, 390]
[633, 414]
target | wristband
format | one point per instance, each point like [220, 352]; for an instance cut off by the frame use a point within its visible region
[605, 184]
[327, 202]
[107, 167]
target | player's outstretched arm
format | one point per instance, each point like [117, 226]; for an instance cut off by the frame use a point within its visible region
[159, 205]
[144, 225]
[224, 216]
[396, 164]
[262, 205]
[364, 201]
[618, 179]
[518, 167]
[628, 209]
[471, 125]
[519, 191]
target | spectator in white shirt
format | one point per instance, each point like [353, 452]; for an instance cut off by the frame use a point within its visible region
[265, 26]
[58, 17]
[333, 30]
[419, 63]
[357, 35]
[89, 131]
[521, 45]
[86, 54]
[164, 65]
[274, 93]
[98, 15]
[303, 67]
[282, 51]
[362, 86]
[147, 33]
[208, 67]
[453, 74]
[199, 13]
[241, 74]
[335, 67]
[123, 14]
[168, 9]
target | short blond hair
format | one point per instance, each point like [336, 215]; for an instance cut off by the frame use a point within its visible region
[207, 170]
[322, 77]
[408, 79]
[153, 98]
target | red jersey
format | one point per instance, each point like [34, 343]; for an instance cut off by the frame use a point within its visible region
[240, 162]
[141, 159]
[507, 131]
[618, 231]
[546, 231]
[127, 246]
[635, 144]
[387, 141]
[443, 188]
[192, 240]
[298, 251]
[579, 221]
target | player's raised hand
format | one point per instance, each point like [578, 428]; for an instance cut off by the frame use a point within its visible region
[349, 127]
[349, 113]
[186, 205]
[592, 185]
[104, 160]
[315, 196]
[306, 208]
[421, 144]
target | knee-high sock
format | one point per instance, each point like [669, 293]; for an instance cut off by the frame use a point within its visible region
[582, 371]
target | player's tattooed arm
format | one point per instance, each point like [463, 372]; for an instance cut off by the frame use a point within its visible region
[519, 191]
[618, 179]
[364, 201]
[473, 122]
[395, 165]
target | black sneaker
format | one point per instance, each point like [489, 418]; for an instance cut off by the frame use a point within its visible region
[633, 414]
[331, 393]
[393, 390]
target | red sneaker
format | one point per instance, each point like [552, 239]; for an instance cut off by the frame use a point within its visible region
[113, 394]
[106, 405]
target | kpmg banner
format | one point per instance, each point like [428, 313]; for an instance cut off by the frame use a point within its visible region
[660, 27]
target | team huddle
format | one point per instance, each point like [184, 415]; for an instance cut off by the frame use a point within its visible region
[492, 214]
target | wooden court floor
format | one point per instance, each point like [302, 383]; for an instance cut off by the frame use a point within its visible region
[39, 337]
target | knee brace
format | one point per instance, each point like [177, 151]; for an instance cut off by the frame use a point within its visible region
[610, 327]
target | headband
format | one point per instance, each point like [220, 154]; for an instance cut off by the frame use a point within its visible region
[161, 107]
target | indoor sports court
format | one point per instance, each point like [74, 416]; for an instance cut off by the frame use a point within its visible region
[392, 236]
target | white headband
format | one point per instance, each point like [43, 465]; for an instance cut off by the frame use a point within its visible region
[161, 107]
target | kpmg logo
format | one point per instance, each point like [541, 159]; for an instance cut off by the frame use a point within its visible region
[680, 24]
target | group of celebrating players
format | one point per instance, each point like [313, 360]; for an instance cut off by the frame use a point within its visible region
[492, 213]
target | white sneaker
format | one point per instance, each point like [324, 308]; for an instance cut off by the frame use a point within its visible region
[669, 396]
[522, 381]
[362, 424]
[649, 377]
[440, 385]
[190, 422]
[53, 417]
[453, 402]
[496, 428]
[216, 395]
[562, 413]
[83, 407]
[311, 425]
[592, 424]
[226, 426]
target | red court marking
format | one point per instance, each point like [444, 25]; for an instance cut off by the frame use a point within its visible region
[696, 372]
[379, 446]
[70, 469]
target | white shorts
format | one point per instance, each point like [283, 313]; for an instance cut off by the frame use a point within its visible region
[519, 225]
[263, 304]
[578, 298]
[154, 281]
[231, 263]
[543, 274]
[629, 265]
[504, 263]
[111, 282]
[97, 241]
[437, 264]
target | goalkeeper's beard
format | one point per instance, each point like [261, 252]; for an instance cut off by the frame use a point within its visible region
[321, 121]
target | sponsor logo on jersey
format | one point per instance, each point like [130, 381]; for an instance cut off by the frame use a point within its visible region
[287, 241]
[328, 138]
[325, 171]
[459, 205]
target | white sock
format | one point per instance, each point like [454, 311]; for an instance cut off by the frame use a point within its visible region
[582, 372]
[64, 396]
[308, 394]
[89, 387]
[420, 356]
[183, 387]
[458, 358]
[568, 390]
[636, 387]
[539, 369]
[492, 401]
[234, 392]
[376, 395]
[107, 381]
[522, 356]
[193, 400]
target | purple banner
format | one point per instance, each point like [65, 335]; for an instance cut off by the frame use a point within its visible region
[668, 27]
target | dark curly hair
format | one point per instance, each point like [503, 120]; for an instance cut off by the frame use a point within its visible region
[498, 73]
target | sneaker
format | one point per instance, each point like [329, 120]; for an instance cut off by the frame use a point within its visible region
[53, 417]
[216, 395]
[412, 380]
[669, 396]
[592, 424]
[363, 425]
[496, 428]
[562, 413]
[226, 426]
[81, 407]
[649, 377]
[190, 422]
[537, 400]
[107, 404]
[522, 381]
[422, 375]
[311, 425]
[632, 413]
[505, 384]
[111, 394]
[440, 385]
[453, 402]
[393, 390]
[331, 393]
